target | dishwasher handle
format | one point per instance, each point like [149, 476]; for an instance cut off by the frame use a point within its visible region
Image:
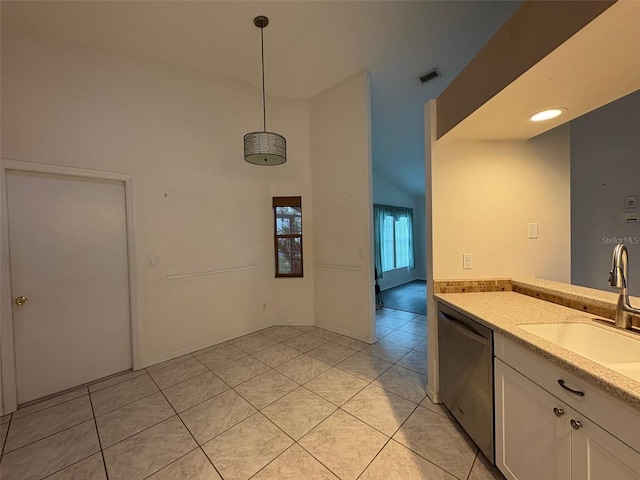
[463, 329]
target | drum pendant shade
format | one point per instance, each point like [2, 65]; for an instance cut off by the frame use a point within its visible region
[264, 148]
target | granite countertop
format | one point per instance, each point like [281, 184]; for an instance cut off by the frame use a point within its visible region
[504, 311]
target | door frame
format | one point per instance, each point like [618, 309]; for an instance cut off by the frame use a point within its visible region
[8, 385]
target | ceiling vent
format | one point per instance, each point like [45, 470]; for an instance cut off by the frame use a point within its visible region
[430, 75]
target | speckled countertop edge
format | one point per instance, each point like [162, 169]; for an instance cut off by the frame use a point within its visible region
[503, 312]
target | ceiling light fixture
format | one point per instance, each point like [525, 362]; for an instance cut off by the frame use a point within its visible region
[264, 148]
[547, 114]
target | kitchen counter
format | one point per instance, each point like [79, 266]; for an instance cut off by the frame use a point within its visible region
[504, 311]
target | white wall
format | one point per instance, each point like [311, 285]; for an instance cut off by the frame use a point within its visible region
[385, 192]
[430, 128]
[197, 204]
[605, 167]
[342, 213]
[484, 195]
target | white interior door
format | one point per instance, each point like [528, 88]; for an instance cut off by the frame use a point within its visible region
[68, 256]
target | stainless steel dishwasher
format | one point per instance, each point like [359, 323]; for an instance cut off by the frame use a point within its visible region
[466, 374]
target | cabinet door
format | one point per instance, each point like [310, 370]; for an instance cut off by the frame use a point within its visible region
[598, 455]
[532, 441]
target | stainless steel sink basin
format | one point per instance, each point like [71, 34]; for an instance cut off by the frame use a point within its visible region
[600, 344]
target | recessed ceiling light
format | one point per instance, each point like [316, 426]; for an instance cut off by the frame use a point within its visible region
[547, 114]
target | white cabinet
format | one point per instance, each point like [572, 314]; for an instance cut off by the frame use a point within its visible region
[540, 436]
[532, 442]
[598, 455]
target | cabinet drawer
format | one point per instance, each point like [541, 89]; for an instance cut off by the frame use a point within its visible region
[613, 415]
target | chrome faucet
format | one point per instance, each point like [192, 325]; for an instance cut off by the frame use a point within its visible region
[618, 278]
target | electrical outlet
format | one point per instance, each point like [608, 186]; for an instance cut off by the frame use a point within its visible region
[631, 217]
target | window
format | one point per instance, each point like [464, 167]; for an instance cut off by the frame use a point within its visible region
[393, 229]
[287, 212]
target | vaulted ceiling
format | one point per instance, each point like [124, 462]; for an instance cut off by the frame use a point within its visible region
[309, 46]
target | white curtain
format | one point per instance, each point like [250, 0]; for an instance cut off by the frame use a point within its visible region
[393, 238]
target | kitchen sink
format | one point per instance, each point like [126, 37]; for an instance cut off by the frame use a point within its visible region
[601, 344]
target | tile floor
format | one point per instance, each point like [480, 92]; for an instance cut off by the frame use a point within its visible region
[282, 403]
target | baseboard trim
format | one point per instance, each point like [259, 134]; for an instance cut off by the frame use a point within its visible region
[185, 351]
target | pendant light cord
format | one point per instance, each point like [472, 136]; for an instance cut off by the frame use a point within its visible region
[264, 107]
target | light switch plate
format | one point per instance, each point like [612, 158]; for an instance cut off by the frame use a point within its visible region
[631, 201]
[533, 230]
[467, 261]
[631, 217]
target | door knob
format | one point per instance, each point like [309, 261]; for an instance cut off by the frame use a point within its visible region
[558, 411]
[21, 301]
[576, 424]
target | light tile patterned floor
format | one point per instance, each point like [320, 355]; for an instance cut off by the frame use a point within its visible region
[283, 403]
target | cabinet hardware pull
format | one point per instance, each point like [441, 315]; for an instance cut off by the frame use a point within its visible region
[558, 411]
[576, 424]
[21, 301]
[577, 392]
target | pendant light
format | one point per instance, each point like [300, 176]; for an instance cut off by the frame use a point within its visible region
[264, 148]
